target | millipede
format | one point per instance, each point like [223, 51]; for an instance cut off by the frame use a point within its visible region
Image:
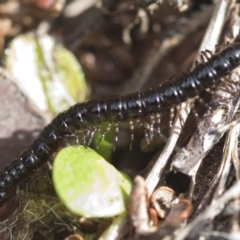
[85, 116]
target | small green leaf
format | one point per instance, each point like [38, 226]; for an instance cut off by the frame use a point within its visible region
[88, 185]
[47, 71]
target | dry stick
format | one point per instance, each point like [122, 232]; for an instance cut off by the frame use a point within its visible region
[221, 177]
[220, 235]
[235, 218]
[235, 159]
[212, 211]
[78, 7]
[227, 157]
[218, 184]
[117, 229]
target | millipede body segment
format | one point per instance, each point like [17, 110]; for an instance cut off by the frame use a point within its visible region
[83, 116]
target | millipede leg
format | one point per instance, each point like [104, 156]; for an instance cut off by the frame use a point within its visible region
[107, 129]
[85, 135]
[229, 91]
[206, 55]
[222, 89]
[91, 135]
[219, 48]
[131, 126]
[200, 100]
[77, 140]
[158, 122]
[152, 119]
[171, 117]
[37, 184]
[195, 114]
[116, 132]
[47, 175]
[232, 88]
[196, 63]
[210, 90]
[180, 109]
[49, 165]
[146, 134]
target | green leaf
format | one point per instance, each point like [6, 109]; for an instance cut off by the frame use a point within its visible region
[47, 71]
[88, 185]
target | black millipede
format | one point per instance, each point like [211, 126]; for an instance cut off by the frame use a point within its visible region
[83, 116]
